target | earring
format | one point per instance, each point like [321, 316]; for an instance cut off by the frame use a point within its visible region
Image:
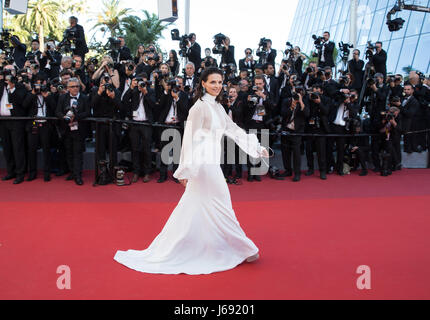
[204, 90]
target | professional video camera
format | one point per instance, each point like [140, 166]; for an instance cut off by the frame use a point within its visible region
[5, 45]
[183, 42]
[68, 44]
[318, 42]
[344, 48]
[218, 41]
[369, 50]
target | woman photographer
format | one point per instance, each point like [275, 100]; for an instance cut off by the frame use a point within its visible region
[173, 62]
[140, 54]
[107, 66]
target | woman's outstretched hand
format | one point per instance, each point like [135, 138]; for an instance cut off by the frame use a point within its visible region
[184, 182]
[265, 153]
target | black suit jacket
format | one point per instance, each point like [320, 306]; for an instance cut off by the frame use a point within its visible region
[249, 111]
[195, 55]
[31, 105]
[408, 112]
[357, 70]
[82, 111]
[380, 62]
[16, 99]
[321, 110]
[183, 107]
[243, 66]
[81, 44]
[131, 102]
[328, 54]
[300, 116]
[237, 111]
[228, 56]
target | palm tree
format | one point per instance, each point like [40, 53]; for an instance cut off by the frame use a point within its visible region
[110, 17]
[137, 31]
[42, 17]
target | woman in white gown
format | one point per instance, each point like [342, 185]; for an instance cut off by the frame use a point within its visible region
[202, 235]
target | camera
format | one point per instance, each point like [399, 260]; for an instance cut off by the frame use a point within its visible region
[39, 88]
[56, 83]
[369, 50]
[388, 116]
[183, 42]
[106, 77]
[114, 43]
[314, 96]
[173, 85]
[6, 46]
[109, 87]
[344, 47]
[289, 50]
[218, 41]
[318, 42]
[68, 43]
[69, 115]
[144, 84]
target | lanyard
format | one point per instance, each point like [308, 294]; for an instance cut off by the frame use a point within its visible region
[40, 104]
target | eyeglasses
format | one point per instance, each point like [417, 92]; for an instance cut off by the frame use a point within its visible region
[74, 87]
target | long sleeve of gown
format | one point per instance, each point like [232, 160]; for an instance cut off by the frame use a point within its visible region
[247, 142]
[189, 164]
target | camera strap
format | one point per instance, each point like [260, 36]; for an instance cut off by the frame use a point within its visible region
[41, 104]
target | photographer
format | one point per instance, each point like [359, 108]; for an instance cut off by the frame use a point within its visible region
[317, 123]
[190, 78]
[106, 103]
[35, 53]
[309, 77]
[124, 53]
[194, 51]
[39, 103]
[294, 113]
[418, 140]
[74, 107]
[396, 102]
[76, 34]
[256, 114]
[18, 52]
[127, 72]
[379, 59]
[339, 118]
[107, 66]
[325, 56]
[389, 128]
[234, 108]
[248, 63]
[175, 107]
[272, 87]
[395, 86]
[410, 106]
[356, 67]
[295, 60]
[79, 72]
[12, 95]
[266, 53]
[227, 56]
[357, 149]
[207, 62]
[173, 62]
[330, 86]
[138, 103]
[378, 93]
[51, 59]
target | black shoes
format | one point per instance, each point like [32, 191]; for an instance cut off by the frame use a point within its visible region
[257, 178]
[19, 180]
[286, 174]
[309, 173]
[250, 178]
[70, 177]
[176, 180]
[8, 177]
[31, 177]
[47, 177]
[162, 179]
[296, 178]
[364, 173]
[323, 175]
[79, 181]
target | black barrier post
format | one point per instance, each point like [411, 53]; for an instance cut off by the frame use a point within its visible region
[96, 155]
[111, 155]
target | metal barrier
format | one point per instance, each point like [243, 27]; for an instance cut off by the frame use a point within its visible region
[110, 122]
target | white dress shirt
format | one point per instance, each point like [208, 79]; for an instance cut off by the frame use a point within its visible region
[140, 114]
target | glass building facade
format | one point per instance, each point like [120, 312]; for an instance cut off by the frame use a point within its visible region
[408, 47]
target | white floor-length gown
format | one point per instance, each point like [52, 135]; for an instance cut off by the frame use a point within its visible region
[202, 235]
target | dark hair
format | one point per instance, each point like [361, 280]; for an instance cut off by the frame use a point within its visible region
[175, 55]
[326, 32]
[203, 78]
[266, 66]
[379, 43]
[35, 40]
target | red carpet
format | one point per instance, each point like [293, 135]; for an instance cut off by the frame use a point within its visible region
[312, 235]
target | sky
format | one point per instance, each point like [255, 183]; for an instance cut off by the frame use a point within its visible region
[245, 22]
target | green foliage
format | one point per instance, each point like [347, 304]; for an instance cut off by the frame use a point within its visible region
[110, 18]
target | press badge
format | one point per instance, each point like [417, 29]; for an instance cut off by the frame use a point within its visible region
[9, 106]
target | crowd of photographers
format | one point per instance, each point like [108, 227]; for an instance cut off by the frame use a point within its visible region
[315, 109]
